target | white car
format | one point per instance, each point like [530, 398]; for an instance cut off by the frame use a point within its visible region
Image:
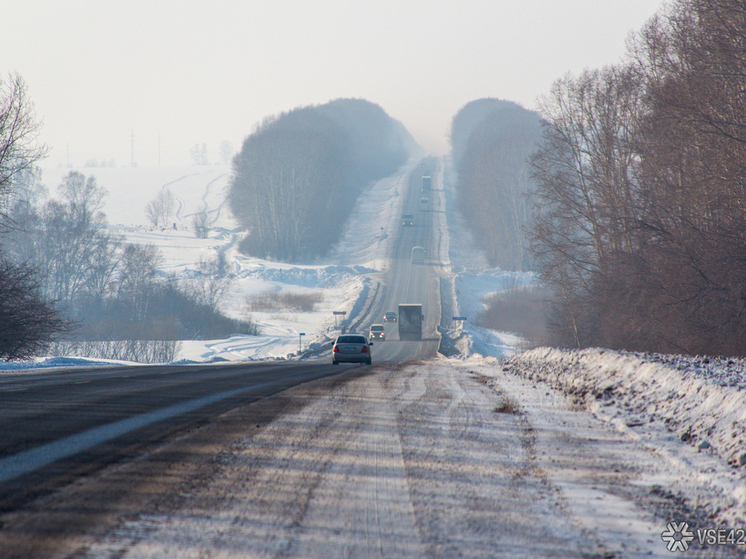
[377, 332]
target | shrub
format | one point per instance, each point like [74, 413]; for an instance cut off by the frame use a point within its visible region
[520, 310]
[270, 301]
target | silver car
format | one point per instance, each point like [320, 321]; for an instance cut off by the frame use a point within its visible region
[351, 348]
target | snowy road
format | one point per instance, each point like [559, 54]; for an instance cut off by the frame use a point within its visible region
[427, 460]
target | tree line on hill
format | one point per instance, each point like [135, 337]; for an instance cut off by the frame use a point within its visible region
[298, 175]
[491, 141]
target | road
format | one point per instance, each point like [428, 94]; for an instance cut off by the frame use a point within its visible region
[413, 457]
[416, 283]
[63, 424]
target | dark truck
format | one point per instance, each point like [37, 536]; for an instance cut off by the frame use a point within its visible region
[410, 322]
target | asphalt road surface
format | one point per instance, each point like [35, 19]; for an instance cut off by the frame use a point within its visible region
[62, 424]
[416, 283]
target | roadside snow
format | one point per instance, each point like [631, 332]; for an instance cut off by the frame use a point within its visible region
[697, 422]
[688, 411]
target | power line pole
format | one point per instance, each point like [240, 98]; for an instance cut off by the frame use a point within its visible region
[132, 156]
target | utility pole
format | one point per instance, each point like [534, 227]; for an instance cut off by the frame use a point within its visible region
[132, 156]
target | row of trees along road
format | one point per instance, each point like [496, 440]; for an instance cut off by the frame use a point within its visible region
[299, 174]
[491, 141]
[641, 189]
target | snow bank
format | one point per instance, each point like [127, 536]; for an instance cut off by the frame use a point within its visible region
[657, 398]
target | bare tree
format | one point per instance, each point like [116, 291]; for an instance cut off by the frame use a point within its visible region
[159, 210]
[199, 154]
[211, 283]
[226, 151]
[137, 275]
[85, 199]
[201, 223]
[587, 199]
[19, 129]
[70, 247]
[30, 323]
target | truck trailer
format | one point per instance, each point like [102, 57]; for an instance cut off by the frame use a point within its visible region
[427, 183]
[410, 322]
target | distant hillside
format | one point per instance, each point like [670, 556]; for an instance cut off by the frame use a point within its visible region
[491, 141]
[298, 176]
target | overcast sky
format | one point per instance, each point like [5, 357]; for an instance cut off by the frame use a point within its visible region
[179, 73]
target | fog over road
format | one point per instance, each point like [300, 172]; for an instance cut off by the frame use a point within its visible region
[415, 456]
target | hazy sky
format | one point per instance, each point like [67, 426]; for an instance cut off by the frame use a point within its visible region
[193, 72]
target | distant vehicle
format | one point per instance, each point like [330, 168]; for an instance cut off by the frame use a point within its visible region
[377, 332]
[351, 348]
[390, 316]
[418, 255]
[410, 322]
[424, 201]
[426, 183]
[407, 220]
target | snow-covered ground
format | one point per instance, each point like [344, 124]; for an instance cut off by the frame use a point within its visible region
[691, 411]
[360, 256]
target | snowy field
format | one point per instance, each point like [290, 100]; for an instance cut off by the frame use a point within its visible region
[341, 277]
